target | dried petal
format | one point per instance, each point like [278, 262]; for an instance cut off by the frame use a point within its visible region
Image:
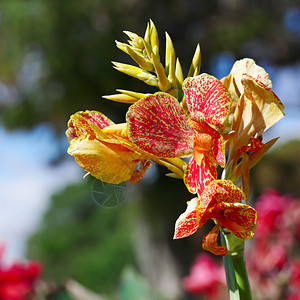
[241, 67]
[138, 174]
[210, 244]
[263, 108]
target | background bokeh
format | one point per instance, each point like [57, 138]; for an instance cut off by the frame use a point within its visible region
[55, 60]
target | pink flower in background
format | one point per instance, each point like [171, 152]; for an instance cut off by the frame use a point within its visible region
[17, 280]
[205, 278]
[270, 207]
[294, 285]
[267, 257]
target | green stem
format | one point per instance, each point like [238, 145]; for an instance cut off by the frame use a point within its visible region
[235, 268]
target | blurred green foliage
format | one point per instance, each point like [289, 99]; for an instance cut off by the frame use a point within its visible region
[56, 54]
[82, 240]
[280, 170]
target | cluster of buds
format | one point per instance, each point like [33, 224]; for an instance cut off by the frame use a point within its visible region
[199, 117]
[145, 52]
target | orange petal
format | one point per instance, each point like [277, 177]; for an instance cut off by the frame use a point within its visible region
[187, 223]
[208, 138]
[246, 183]
[210, 244]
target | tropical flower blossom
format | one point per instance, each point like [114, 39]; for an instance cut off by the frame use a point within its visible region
[200, 117]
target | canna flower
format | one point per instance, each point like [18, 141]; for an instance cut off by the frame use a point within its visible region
[222, 202]
[159, 125]
[103, 149]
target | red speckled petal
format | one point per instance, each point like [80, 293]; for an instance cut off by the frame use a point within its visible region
[206, 94]
[218, 148]
[158, 125]
[253, 145]
[197, 177]
[96, 118]
[218, 191]
[239, 218]
[222, 191]
[86, 122]
[197, 122]
[187, 223]
[210, 244]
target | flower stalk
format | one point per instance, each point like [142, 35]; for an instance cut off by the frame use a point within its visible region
[235, 267]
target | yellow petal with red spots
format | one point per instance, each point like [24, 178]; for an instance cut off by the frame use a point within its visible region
[210, 244]
[103, 149]
[206, 94]
[109, 162]
[86, 122]
[197, 177]
[157, 124]
[218, 191]
[238, 218]
[187, 223]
